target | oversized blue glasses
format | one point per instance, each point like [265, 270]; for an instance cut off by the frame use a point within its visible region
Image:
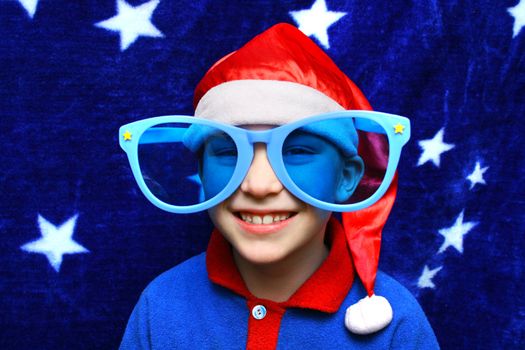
[340, 161]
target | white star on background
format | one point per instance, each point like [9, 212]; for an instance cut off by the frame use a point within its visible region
[476, 177]
[316, 21]
[425, 280]
[454, 234]
[132, 22]
[518, 12]
[29, 6]
[433, 148]
[55, 241]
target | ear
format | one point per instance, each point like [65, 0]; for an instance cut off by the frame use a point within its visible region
[353, 170]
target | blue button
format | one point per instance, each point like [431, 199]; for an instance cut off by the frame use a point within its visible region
[258, 312]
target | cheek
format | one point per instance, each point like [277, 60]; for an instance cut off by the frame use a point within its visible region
[218, 216]
[315, 220]
[321, 216]
[215, 176]
[318, 179]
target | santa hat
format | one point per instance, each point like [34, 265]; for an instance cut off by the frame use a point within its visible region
[281, 76]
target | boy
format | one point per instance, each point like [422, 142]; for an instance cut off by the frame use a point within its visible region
[278, 272]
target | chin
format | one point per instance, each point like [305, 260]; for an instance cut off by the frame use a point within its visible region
[259, 254]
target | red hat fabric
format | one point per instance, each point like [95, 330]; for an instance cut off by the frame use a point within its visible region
[284, 53]
[292, 65]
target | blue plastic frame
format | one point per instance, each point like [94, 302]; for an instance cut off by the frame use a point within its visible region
[130, 134]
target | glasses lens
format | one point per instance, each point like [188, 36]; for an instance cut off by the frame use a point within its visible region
[332, 161]
[186, 163]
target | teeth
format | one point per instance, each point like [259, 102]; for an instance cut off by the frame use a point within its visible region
[267, 219]
[264, 220]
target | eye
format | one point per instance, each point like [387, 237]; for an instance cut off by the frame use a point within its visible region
[221, 147]
[297, 150]
[225, 152]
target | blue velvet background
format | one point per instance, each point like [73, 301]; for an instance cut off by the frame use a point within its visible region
[66, 87]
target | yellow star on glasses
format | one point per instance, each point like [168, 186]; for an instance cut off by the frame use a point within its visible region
[127, 136]
[398, 128]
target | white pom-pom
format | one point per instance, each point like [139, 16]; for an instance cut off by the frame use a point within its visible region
[368, 315]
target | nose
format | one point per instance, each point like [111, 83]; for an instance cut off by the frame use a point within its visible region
[261, 181]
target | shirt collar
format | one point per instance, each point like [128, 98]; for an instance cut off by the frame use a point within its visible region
[324, 291]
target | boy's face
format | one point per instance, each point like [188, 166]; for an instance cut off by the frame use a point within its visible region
[295, 229]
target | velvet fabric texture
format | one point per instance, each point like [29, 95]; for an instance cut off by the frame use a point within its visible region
[66, 86]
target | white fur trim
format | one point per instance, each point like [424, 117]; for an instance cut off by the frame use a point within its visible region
[271, 102]
[368, 315]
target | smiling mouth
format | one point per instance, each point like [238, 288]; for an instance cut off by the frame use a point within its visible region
[264, 219]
